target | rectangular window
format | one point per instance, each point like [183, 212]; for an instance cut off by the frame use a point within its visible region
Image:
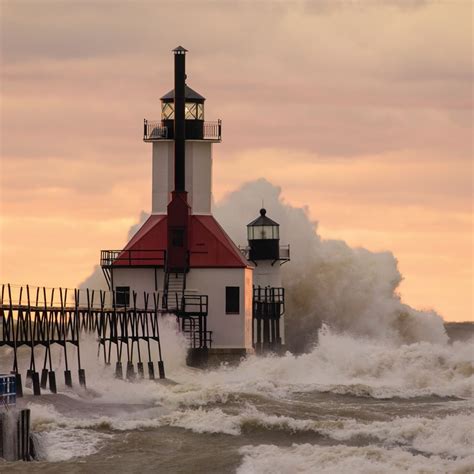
[122, 296]
[232, 300]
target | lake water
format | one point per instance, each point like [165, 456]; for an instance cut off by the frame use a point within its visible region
[350, 405]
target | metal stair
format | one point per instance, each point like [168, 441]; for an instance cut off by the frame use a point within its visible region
[188, 327]
[190, 310]
[173, 291]
[194, 329]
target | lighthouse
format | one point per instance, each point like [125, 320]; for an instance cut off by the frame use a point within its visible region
[182, 253]
[267, 256]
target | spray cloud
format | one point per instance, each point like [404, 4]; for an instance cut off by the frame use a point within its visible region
[352, 290]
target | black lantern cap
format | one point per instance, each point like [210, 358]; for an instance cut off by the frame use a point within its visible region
[180, 50]
[263, 220]
[189, 94]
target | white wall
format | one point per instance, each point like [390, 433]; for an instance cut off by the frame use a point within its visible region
[228, 330]
[162, 175]
[248, 307]
[198, 177]
[139, 280]
[267, 275]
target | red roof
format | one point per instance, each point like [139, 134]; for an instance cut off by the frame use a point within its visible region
[210, 246]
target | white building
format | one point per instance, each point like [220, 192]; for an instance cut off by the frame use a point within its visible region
[183, 253]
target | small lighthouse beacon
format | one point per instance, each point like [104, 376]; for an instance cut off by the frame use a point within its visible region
[266, 254]
[181, 251]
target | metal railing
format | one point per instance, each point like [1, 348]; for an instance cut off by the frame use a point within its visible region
[39, 296]
[285, 252]
[195, 305]
[132, 257]
[155, 130]
[193, 320]
[213, 130]
[268, 304]
[197, 341]
[197, 336]
[268, 294]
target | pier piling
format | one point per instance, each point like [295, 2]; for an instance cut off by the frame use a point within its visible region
[36, 383]
[56, 318]
[151, 371]
[68, 378]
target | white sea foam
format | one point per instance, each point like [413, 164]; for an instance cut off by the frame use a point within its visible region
[62, 444]
[46, 417]
[451, 435]
[307, 458]
[205, 421]
[341, 363]
[56, 437]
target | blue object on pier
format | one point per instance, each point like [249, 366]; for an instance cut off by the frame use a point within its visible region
[7, 390]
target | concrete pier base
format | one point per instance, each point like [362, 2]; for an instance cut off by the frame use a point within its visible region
[203, 358]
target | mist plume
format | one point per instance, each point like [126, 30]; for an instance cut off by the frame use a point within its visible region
[352, 290]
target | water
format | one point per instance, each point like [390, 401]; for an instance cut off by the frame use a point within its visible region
[352, 404]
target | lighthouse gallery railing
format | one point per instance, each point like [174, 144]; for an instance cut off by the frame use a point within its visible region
[135, 257]
[155, 130]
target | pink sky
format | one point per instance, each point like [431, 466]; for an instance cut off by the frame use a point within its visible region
[360, 110]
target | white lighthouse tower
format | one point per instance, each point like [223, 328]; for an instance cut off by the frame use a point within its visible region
[267, 256]
[200, 136]
[181, 251]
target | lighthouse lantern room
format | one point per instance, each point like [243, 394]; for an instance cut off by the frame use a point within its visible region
[183, 253]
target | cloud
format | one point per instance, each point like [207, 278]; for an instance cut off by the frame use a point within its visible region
[394, 179]
[360, 110]
[355, 79]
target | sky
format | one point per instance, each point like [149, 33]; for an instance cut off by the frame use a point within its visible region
[361, 111]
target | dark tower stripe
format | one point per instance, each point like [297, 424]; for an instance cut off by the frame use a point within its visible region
[179, 123]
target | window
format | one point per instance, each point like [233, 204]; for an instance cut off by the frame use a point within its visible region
[190, 111]
[232, 300]
[263, 232]
[177, 237]
[200, 111]
[122, 296]
[167, 111]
